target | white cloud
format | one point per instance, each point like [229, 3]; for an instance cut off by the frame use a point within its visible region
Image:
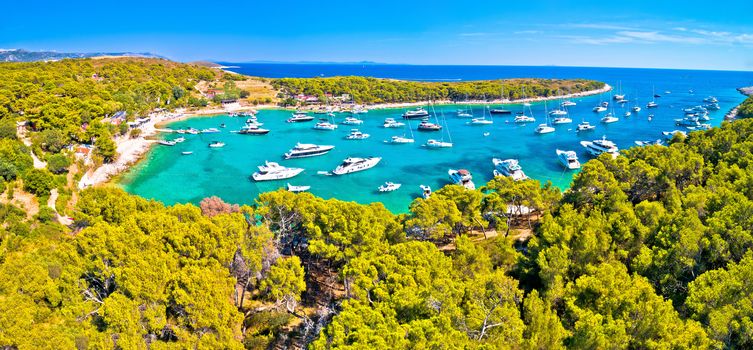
[657, 37]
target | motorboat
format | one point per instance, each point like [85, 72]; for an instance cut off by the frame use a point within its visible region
[652, 104]
[499, 111]
[544, 129]
[193, 131]
[250, 129]
[508, 167]
[650, 143]
[561, 120]
[670, 134]
[297, 189]
[425, 191]
[352, 121]
[186, 153]
[359, 110]
[627, 114]
[711, 99]
[569, 159]
[597, 147]
[599, 109]
[418, 113]
[712, 106]
[355, 134]
[180, 139]
[425, 125]
[609, 118]
[304, 150]
[636, 109]
[462, 177]
[324, 124]
[210, 131]
[585, 126]
[392, 123]
[558, 112]
[216, 144]
[273, 171]
[166, 143]
[353, 164]
[437, 144]
[568, 103]
[480, 121]
[523, 119]
[399, 140]
[300, 117]
[389, 187]
[689, 122]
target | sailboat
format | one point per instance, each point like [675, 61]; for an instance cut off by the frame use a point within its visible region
[482, 120]
[544, 128]
[431, 143]
[653, 103]
[402, 139]
[620, 96]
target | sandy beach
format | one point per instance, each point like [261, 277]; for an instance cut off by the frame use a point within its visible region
[131, 150]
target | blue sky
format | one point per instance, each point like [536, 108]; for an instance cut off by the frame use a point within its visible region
[667, 34]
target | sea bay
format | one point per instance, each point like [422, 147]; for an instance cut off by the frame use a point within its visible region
[170, 177]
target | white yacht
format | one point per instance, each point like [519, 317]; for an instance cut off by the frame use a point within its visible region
[670, 134]
[544, 129]
[585, 126]
[417, 113]
[355, 134]
[359, 110]
[562, 120]
[399, 140]
[352, 121]
[568, 103]
[303, 150]
[352, 165]
[297, 189]
[274, 171]
[568, 159]
[558, 112]
[300, 117]
[210, 131]
[323, 124]
[618, 97]
[480, 121]
[652, 104]
[599, 109]
[216, 144]
[508, 167]
[389, 187]
[597, 147]
[166, 143]
[464, 114]
[180, 139]
[711, 99]
[462, 177]
[609, 118]
[523, 119]
[392, 123]
[437, 144]
[251, 129]
[425, 125]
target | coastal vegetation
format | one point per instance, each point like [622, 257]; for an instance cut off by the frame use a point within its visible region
[648, 250]
[746, 108]
[366, 90]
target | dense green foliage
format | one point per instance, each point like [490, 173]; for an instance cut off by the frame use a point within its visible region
[373, 90]
[69, 94]
[746, 108]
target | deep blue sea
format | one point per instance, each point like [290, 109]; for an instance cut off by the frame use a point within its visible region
[168, 176]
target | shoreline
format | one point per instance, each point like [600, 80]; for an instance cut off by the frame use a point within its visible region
[132, 150]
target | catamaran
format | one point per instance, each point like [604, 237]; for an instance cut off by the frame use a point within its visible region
[402, 139]
[273, 171]
[356, 134]
[352, 121]
[585, 126]
[392, 123]
[544, 128]
[418, 113]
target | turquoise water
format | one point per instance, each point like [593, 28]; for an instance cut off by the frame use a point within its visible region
[170, 177]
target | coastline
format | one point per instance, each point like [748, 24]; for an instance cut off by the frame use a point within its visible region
[132, 150]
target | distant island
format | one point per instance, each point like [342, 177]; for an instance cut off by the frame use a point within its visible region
[21, 55]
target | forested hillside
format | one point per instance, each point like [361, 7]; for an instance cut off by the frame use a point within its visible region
[651, 250]
[373, 90]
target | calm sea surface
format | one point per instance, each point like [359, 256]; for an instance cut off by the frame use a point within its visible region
[170, 177]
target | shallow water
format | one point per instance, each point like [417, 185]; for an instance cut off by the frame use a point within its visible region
[170, 177]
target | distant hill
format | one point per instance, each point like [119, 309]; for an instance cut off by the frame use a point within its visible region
[20, 55]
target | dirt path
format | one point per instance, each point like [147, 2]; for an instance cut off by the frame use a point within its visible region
[62, 219]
